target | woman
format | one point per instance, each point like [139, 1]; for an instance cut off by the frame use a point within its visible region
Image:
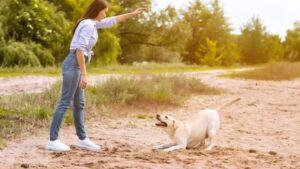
[74, 72]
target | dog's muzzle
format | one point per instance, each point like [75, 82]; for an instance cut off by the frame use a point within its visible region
[160, 123]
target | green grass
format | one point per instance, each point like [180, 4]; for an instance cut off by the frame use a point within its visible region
[111, 69]
[23, 113]
[271, 71]
[26, 71]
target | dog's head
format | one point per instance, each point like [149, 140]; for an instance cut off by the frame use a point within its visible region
[165, 121]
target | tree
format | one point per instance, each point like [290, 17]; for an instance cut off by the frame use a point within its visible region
[37, 21]
[275, 49]
[252, 42]
[206, 24]
[209, 54]
[257, 45]
[292, 43]
[133, 33]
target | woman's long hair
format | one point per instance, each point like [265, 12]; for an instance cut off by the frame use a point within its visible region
[92, 11]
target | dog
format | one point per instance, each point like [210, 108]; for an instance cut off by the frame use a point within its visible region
[201, 127]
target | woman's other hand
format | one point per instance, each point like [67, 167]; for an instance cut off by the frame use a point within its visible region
[83, 81]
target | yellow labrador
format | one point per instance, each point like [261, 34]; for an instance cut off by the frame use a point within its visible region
[193, 132]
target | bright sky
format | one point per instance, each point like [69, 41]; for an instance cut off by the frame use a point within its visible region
[276, 15]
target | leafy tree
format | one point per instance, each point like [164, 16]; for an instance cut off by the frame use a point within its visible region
[231, 54]
[257, 45]
[206, 24]
[133, 33]
[209, 54]
[292, 43]
[252, 42]
[38, 21]
[275, 48]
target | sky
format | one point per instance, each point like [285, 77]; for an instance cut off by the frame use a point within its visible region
[277, 15]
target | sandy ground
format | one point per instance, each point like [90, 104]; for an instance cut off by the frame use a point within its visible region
[261, 131]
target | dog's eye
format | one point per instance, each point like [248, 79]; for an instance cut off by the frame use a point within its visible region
[166, 117]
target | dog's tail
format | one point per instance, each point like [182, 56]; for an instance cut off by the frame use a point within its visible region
[228, 104]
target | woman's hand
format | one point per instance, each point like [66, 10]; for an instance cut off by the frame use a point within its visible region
[83, 81]
[139, 11]
[124, 17]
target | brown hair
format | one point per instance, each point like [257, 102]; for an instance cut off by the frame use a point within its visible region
[92, 11]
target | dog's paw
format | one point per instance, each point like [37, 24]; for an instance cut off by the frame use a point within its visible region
[157, 147]
[168, 150]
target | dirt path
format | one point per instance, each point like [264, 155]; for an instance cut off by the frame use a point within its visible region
[261, 131]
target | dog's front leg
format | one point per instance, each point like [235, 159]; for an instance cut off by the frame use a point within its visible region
[163, 146]
[177, 147]
[181, 143]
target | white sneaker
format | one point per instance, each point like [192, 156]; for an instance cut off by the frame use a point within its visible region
[57, 145]
[87, 145]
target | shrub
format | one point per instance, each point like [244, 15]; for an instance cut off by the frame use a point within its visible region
[163, 55]
[17, 54]
[37, 21]
[44, 55]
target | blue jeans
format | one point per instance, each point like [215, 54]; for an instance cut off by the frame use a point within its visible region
[70, 92]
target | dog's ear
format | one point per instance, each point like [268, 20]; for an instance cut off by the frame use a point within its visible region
[175, 125]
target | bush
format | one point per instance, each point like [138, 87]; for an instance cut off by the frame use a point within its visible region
[2, 41]
[37, 21]
[17, 54]
[45, 57]
[163, 55]
[107, 50]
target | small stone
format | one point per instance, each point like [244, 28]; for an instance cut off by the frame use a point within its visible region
[272, 153]
[25, 165]
[252, 151]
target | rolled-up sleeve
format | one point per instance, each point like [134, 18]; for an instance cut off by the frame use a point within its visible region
[84, 37]
[106, 23]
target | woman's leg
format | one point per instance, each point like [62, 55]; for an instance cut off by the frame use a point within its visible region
[78, 113]
[69, 86]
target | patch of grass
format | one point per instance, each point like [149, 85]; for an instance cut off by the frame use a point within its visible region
[21, 113]
[271, 71]
[111, 69]
[131, 124]
[26, 71]
[2, 143]
[142, 116]
[147, 89]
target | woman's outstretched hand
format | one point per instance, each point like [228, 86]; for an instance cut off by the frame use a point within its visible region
[139, 11]
[124, 17]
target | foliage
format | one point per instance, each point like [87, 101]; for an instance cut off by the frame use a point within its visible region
[17, 54]
[25, 54]
[292, 43]
[37, 21]
[209, 54]
[257, 45]
[208, 23]
[108, 48]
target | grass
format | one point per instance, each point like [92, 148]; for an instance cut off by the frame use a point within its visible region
[271, 71]
[111, 69]
[23, 113]
[27, 71]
